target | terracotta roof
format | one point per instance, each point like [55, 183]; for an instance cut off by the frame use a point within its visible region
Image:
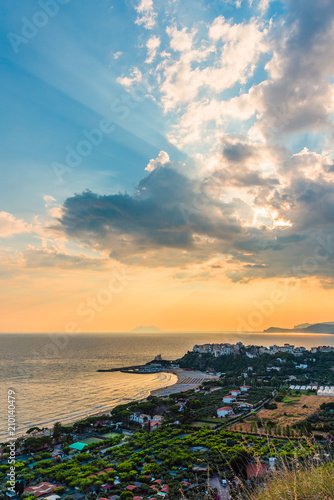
[256, 470]
[41, 489]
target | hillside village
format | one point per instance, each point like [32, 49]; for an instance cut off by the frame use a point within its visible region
[234, 424]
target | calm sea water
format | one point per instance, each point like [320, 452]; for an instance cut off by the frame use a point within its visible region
[55, 377]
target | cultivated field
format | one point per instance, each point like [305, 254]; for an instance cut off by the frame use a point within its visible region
[293, 409]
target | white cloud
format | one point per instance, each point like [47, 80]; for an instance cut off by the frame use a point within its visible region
[49, 200]
[180, 40]
[238, 48]
[161, 160]
[116, 55]
[146, 14]
[152, 48]
[127, 81]
[9, 225]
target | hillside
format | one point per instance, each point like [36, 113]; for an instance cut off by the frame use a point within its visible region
[307, 484]
[315, 328]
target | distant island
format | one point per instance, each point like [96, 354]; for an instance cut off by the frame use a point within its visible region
[304, 328]
[146, 329]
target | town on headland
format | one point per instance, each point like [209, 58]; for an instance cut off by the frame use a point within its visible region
[236, 419]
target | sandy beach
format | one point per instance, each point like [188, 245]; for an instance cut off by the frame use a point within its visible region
[185, 380]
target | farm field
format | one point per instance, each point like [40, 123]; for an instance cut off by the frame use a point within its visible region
[291, 410]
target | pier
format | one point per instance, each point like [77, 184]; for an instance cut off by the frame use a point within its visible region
[122, 369]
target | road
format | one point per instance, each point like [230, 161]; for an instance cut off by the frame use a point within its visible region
[224, 493]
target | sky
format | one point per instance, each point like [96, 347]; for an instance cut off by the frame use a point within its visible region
[166, 163]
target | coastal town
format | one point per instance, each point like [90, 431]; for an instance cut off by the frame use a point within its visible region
[213, 433]
[253, 351]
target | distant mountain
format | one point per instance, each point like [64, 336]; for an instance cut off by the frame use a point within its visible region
[315, 328]
[303, 325]
[146, 329]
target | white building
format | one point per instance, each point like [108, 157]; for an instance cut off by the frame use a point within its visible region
[229, 399]
[140, 418]
[249, 406]
[326, 391]
[224, 412]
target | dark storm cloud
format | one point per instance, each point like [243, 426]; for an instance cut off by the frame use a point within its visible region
[179, 221]
[164, 212]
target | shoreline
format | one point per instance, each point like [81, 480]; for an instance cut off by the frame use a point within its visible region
[95, 412]
[186, 380]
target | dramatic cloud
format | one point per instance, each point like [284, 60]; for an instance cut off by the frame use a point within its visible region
[164, 213]
[299, 93]
[267, 229]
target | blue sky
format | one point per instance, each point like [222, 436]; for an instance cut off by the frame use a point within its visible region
[63, 80]
[220, 110]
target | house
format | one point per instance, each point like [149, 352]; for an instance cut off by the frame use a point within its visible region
[41, 489]
[131, 487]
[106, 487]
[235, 392]
[154, 424]
[229, 399]
[224, 412]
[256, 470]
[52, 497]
[247, 406]
[244, 388]
[181, 406]
[140, 418]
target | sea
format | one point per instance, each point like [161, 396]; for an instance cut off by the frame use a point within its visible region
[55, 376]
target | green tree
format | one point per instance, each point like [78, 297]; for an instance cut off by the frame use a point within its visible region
[57, 430]
[127, 495]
